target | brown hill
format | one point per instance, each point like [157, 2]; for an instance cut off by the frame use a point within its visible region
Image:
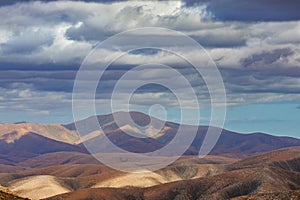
[288, 159]
[79, 176]
[220, 187]
[228, 185]
[238, 180]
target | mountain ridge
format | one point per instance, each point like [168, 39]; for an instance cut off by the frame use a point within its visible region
[150, 138]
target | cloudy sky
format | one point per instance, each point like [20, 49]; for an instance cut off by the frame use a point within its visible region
[255, 45]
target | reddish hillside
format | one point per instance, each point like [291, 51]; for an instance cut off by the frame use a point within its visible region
[261, 180]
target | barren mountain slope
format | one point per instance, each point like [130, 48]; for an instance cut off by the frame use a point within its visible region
[237, 181]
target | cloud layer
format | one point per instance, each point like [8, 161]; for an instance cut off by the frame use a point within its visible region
[256, 46]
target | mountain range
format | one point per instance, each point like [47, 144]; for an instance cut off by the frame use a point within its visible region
[39, 161]
[25, 140]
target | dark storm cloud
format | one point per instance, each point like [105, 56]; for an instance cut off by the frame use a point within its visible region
[58, 80]
[266, 58]
[64, 75]
[219, 41]
[38, 80]
[255, 10]
[11, 2]
[12, 66]
[261, 81]
[215, 38]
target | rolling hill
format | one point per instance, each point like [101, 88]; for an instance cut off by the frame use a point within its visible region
[26, 180]
[259, 178]
[274, 173]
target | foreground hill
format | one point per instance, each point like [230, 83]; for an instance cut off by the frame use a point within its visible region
[275, 177]
[72, 175]
[224, 186]
[29, 178]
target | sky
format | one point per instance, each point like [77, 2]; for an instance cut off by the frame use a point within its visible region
[255, 46]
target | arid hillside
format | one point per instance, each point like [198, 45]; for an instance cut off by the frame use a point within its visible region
[271, 179]
[57, 173]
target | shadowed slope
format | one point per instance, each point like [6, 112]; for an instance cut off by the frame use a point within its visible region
[30, 145]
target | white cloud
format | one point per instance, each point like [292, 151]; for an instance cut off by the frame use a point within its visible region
[63, 33]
